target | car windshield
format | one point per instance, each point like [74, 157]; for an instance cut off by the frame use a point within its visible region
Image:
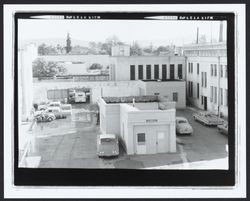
[182, 121]
[108, 141]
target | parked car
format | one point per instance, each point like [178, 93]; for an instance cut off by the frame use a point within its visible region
[208, 118]
[42, 116]
[107, 145]
[183, 127]
[55, 104]
[57, 111]
[66, 109]
[223, 129]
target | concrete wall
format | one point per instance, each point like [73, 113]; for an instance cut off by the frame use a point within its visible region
[135, 121]
[25, 58]
[121, 66]
[109, 118]
[98, 89]
[167, 89]
[215, 81]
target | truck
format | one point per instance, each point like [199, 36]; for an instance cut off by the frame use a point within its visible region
[80, 97]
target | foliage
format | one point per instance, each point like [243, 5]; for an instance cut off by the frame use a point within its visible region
[43, 49]
[95, 66]
[68, 44]
[135, 49]
[43, 68]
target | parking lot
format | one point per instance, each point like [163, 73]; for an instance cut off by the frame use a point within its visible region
[71, 143]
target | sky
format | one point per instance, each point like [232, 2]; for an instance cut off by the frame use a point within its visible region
[171, 31]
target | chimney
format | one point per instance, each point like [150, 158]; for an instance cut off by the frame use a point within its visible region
[221, 32]
[197, 39]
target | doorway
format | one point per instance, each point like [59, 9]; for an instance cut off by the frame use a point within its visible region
[205, 103]
[160, 142]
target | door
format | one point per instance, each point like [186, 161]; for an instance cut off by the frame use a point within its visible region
[160, 142]
[140, 143]
[205, 103]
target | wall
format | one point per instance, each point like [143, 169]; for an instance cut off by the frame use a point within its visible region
[219, 82]
[121, 66]
[98, 89]
[167, 89]
[132, 118]
[25, 58]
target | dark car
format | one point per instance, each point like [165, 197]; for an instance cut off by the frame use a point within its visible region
[107, 145]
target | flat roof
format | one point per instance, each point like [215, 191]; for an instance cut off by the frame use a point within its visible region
[129, 99]
[162, 80]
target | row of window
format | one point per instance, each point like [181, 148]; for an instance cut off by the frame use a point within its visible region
[156, 72]
[213, 94]
[223, 99]
[223, 69]
[190, 68]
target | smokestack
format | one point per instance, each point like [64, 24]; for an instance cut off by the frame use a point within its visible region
[197, 39]
[221, 32]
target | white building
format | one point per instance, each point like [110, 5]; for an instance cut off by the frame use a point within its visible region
[25, 79]
[143, 127]
[207, 76]
[124, 68]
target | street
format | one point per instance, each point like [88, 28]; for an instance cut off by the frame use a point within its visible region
[71, 143]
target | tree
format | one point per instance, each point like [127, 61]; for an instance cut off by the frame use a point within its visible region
[68, 44]
[95, 66]
[42, 68]
[203, 39]
[136, 49]
[43, 49]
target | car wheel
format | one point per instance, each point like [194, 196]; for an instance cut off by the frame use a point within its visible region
[204, 124]
[50, 119]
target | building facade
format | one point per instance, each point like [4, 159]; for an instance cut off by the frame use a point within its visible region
[26, 56]
[142, 127]
[207, 82]
[147, 68]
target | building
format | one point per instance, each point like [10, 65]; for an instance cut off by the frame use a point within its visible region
[147, 67]
[26, 56]
[206, 76]
[120, 50]
[144, 124]
[172, 90]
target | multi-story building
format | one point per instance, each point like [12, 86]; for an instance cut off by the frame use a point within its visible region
[206, 76]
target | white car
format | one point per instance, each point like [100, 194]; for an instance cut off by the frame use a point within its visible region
[55, 104]
[183, 127]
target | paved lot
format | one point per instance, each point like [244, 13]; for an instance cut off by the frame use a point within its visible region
[71, 143]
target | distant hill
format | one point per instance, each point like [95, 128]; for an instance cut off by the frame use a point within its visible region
[53, 42]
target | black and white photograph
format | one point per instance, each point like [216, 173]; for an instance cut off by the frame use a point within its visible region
[93, 95]
[145, 97]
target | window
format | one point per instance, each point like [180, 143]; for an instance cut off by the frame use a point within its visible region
[140, 72]
[221, 70]
[191, 67]
[148, 72]
[172, 71]
[141, 138]
[156, 67]
[215, 94]
[211, 93]
[175, 97]
[226, 71]
[198, 90]
[180, 71]
[132, 72]
[221, 96]
[215, 70]
[164, 71]
[205, 80]
[226, 97]
[212, 67]
[198, 68]
[202, 100]
[191, 89]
